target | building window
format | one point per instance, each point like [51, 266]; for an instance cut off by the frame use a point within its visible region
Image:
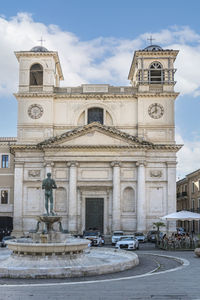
[95, 114]
[193, 204]
[156, 73]
[4, 196]
[193, 187]
[4, 161]
[36, 74]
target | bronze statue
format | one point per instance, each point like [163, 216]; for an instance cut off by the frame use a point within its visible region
[49, 184]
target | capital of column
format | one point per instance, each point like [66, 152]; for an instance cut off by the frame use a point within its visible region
[19, 164]
[171, 164]
[115, 164]
[48, 164]
[141, 162]
[72, 164]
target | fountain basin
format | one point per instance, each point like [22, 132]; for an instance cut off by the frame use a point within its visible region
[73, 247]
[97, 261]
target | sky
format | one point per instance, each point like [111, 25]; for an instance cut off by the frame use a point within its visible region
[96, 41]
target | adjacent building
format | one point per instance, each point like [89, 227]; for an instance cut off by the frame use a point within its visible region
[188, 198]
[6, 184]
[110, 149]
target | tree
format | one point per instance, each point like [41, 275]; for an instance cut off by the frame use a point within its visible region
[158, 225]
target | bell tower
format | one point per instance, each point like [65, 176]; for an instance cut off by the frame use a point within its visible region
[39, 70]
[152, 74]
[39, 74]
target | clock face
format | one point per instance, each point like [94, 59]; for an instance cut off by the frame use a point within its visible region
[156, 110]
[35, 111]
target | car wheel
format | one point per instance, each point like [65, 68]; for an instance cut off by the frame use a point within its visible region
[138, 247]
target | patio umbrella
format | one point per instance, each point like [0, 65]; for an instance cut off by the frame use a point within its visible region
[182, 215]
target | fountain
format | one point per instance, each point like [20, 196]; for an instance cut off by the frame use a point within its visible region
[56, 254]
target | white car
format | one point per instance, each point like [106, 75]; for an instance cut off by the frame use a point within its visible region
[116, 236]
[129, 243]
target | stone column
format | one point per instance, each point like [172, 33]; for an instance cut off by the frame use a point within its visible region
[141, 201]
[18, 200]
[72, 213]
[116, 212]
[171, 193]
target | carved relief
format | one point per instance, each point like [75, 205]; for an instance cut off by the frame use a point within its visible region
[34, 173]
[156, 173]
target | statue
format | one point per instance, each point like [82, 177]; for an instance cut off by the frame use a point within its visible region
[49, 184]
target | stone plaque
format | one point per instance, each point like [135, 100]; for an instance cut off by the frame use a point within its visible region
[34, 173]
[156, 173]
[91, 88]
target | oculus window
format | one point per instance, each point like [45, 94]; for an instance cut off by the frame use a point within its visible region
[36, 74]
[95, 114]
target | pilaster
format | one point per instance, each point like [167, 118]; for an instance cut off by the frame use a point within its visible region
[116, 213]
[72, 213]
[141, 196]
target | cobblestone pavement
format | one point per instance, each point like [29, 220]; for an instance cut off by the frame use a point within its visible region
[180, 283]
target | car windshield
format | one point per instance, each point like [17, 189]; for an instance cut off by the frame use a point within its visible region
[127, 239]
[138, 234]
[91, 233]
[118, 233]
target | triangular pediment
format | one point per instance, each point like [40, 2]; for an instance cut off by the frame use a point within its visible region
[94, 134]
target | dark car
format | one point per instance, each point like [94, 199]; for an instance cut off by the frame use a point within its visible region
[5, 239]
[152, 236]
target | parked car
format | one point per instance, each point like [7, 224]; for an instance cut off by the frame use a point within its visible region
[94, 236]
[152, 236]
[140, 236]
[129, 243]
[116, 236]
[5, 239]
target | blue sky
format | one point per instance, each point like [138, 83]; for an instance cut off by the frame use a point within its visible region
[96, 41]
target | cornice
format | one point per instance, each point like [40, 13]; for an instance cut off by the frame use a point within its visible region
[99, 96]
[52, 148]
[75, 96]
[158, 94]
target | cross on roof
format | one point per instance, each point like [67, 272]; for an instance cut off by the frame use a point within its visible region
[151, 39]
[41, 41]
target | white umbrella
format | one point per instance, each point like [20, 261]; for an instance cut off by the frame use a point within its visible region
[182, 215]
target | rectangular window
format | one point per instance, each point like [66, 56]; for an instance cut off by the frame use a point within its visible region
[4, 196]
[193, 203]
[192, 187]
[4, 161]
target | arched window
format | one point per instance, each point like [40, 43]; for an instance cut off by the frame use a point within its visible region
[156, 73]
[128, 204]
[36, 74]
[95, 114]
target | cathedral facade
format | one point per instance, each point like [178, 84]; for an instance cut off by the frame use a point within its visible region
[110, 149]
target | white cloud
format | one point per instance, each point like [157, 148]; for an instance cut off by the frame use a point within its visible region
[188, 157]
[103, 60]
